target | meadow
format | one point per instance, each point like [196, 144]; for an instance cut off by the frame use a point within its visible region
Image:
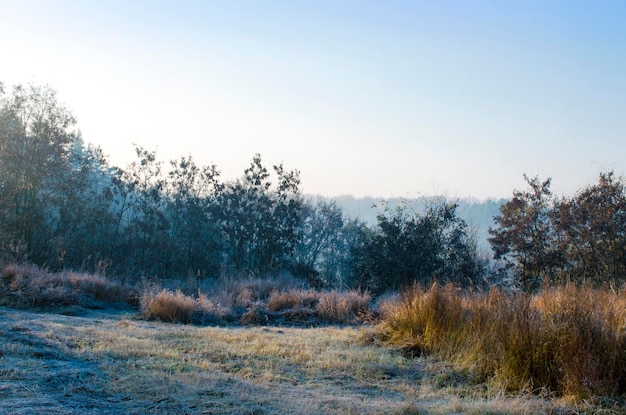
[78, 344]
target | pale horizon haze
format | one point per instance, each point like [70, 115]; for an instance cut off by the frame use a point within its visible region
[385, 99]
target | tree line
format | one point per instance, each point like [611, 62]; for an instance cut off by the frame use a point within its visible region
[63, 206]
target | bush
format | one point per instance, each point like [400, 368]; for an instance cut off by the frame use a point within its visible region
[246, 292]
[223, 304]
[176, 307]
[426, 321]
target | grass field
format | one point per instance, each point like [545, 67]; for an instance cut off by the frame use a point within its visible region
[73, 343]
[113, 362]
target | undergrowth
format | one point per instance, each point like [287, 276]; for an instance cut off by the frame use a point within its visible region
[24, 286]
[256, 302]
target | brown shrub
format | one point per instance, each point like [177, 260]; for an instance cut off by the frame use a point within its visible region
[210, 306]
[176, 307]
[252, 317]
[101, 289]
[247, 292]
[283, 300]
[587, 328]
[425, 321]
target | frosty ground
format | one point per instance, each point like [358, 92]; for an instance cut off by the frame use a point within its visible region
[110, 361]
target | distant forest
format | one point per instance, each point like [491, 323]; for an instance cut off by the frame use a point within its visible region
[63, 206]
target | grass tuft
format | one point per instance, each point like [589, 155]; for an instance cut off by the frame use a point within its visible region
[176, 307]
[165, 305]
[342, 307]
[292, 299]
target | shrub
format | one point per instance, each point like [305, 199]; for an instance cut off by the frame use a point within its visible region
[246, 292]
[211, 307]
[588, 331]
[100, 288]
[283, 300]
[280, 300]
[426, 321]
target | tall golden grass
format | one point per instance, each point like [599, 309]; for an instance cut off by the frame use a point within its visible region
[165, 305]
[567, 341]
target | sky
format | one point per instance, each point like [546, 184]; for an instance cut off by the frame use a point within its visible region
[369, 98]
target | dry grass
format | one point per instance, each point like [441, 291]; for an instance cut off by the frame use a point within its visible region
[29, 286]
[278, 307]
[114, 363]
[176, 307]
[504, 353]
[567, 342]
[342, 307]
[246, 292]
[292, 299]
[164, 305]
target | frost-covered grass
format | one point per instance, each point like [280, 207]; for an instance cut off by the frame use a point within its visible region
[257, 302]
[112, 362]
[27, 286]
[275, 347]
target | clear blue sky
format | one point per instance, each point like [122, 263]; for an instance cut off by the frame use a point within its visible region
[385, 98]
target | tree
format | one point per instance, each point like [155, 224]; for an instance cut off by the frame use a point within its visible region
[259, 221]
[321, 246]
[592, 228]
[35, 145]
[282, 233]
[525, 238]
[195, 236]
[84, 224]
[408, 247]
[145, 227]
